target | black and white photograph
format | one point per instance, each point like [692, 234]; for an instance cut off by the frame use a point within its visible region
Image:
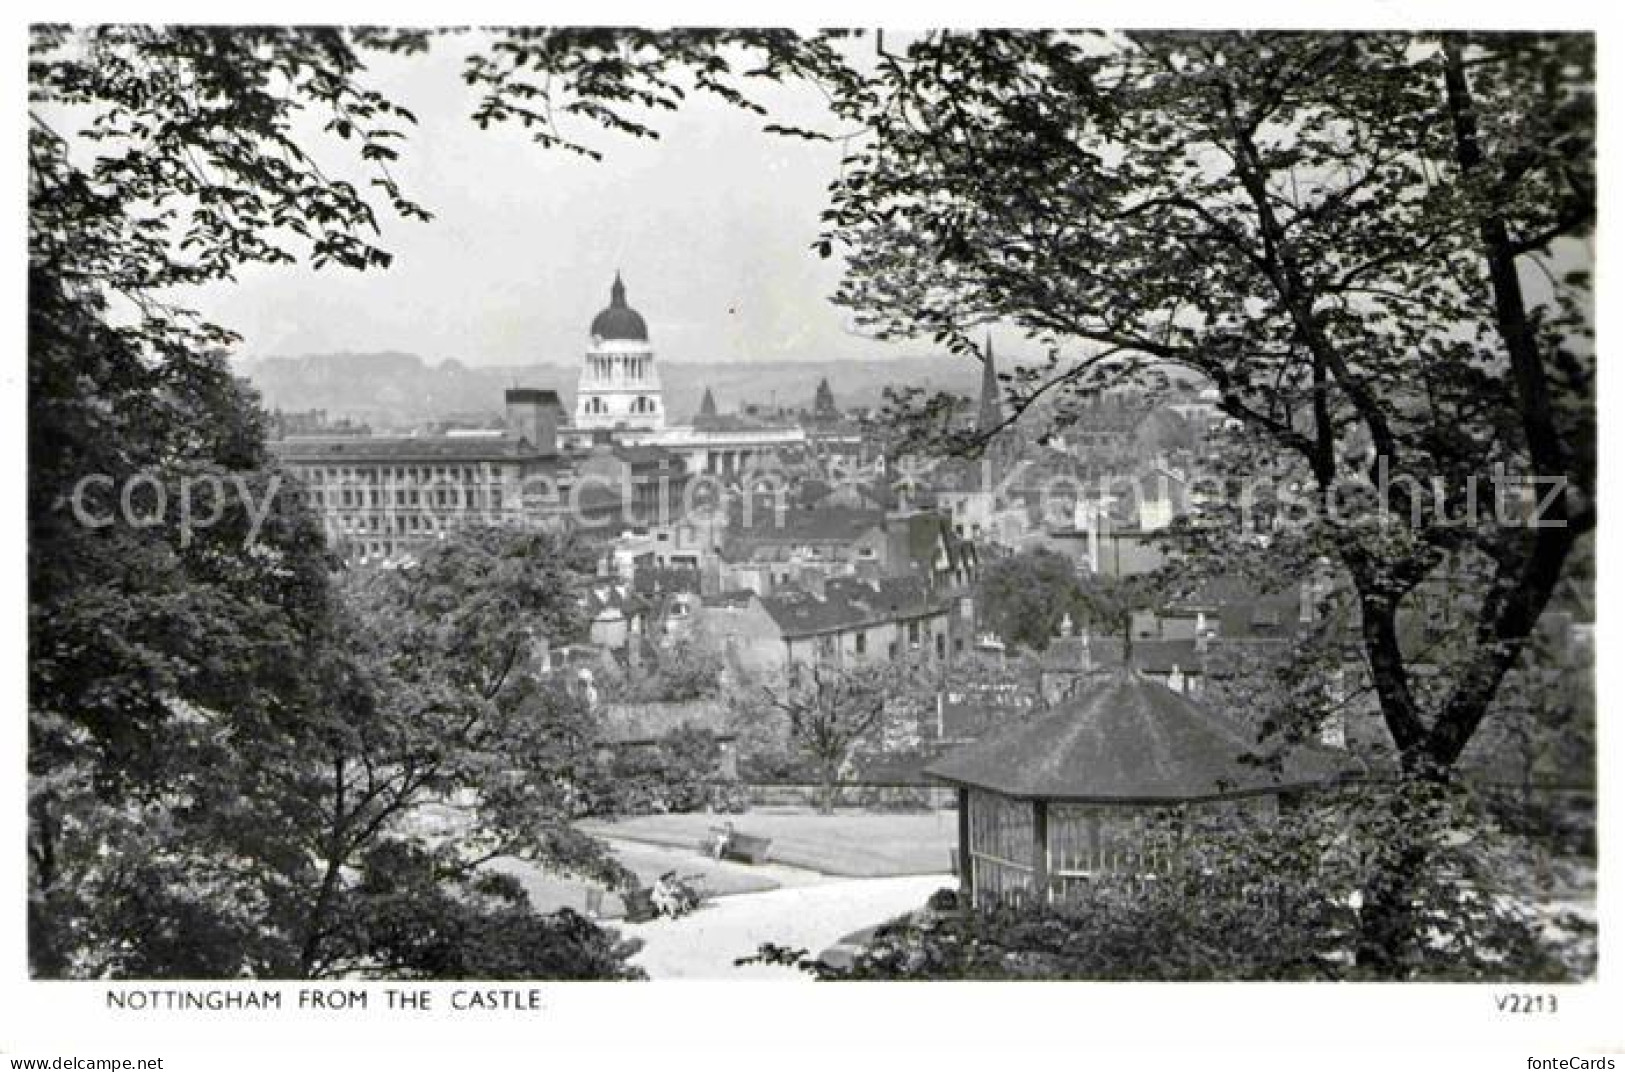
[517, 505]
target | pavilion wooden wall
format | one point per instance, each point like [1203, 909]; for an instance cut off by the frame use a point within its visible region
[1089, 847]
[1001, 848]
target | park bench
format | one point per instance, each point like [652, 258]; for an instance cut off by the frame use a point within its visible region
[640, 905]
[747, 848]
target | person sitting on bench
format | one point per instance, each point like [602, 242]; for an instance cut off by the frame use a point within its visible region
[667, 902]
[723, 839]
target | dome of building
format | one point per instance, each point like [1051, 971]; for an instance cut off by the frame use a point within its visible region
[619, 321]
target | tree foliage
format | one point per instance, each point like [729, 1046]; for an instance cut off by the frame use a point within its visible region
[675, 773]
[160, 158]
[682, 670]
[1024, 597]
[830, 711]
[443, 746]
[1358, 238]
[553, 81]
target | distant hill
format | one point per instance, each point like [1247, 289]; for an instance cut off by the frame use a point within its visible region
[392, 388]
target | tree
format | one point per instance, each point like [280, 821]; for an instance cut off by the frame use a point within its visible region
[676, 772]
[679, 671]
[831, 711]
[342, 828]
[1025, 596]
[146, 623]
[1372, 245]
[548, 80]
[440, 716]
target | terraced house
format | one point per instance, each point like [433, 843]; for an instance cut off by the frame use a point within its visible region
[806, 547]
[845, 621]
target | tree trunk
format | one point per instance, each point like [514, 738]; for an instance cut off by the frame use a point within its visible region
[1518, 595]
[315, 930]
[829, 790]
[311, 948]
[1389, 925]
[46, 959]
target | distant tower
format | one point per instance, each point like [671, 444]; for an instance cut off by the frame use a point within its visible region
[708, 405]
[619, 386]
[991, 414]
[824, 401]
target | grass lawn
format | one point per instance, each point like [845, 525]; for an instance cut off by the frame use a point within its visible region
[851, 842]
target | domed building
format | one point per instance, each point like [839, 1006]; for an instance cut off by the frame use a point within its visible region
[618, 398]
[619, 385]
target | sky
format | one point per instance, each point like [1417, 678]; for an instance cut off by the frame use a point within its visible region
[711, 226]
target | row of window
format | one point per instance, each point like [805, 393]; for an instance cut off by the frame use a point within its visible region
[640, 404]
[400, 524]
[438, 497]
[373, 474]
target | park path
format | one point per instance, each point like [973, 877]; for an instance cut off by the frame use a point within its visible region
[813, 917]
[722, 874]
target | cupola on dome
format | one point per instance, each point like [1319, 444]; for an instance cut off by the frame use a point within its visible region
[619, 321]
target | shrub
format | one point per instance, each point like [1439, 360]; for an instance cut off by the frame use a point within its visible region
[675, 774]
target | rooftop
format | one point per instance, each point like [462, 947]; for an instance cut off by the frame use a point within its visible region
[1128, 739]
[352, 448]
[849, 603]
[619, 321]
[1222, 657]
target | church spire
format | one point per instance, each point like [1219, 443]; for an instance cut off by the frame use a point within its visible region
[990, 414]
[617, 292]
[824, 400]
[708, 405]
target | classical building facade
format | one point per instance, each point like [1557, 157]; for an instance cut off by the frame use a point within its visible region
[619, 387]
[618, 393]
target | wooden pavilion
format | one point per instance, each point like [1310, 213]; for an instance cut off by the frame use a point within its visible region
[1053, 804]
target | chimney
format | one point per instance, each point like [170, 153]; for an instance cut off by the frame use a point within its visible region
[534, 415]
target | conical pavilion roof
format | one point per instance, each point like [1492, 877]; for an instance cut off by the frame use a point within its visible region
[1129, 739]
